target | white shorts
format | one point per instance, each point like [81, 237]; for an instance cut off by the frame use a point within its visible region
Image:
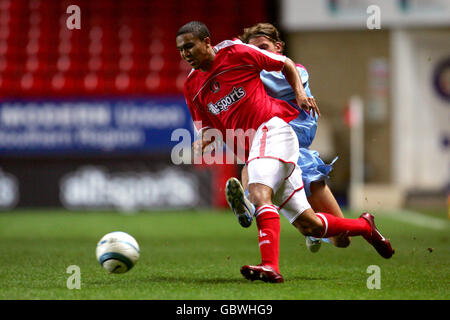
[291, 198]
[273, 162]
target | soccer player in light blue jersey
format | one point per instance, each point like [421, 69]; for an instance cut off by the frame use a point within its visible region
[314, 170]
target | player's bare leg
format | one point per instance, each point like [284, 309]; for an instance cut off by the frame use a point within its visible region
[309, 224]
[323, 200]
[260, 194]
[244, 177]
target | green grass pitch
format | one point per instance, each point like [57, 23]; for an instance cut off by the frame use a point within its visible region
[197, 255]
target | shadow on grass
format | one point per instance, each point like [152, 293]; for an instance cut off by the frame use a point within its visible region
[304, 278]
[227, 280]
[188, 280]
[169, 280]
[221, 280]
[192, 279]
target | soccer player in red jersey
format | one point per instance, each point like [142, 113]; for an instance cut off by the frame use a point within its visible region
[314, 170]
[224, 92]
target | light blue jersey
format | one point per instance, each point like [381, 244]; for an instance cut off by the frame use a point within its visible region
[305, 125]
[276, 85]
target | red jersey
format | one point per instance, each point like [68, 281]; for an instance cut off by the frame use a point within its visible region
[231, 95]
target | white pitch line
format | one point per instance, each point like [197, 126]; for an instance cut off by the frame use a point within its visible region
[419, 219]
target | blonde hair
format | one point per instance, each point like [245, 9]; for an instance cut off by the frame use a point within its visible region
[262, 29]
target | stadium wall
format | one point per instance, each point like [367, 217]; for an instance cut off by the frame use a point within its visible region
[87, 113]
[398, 69]
[342, 64]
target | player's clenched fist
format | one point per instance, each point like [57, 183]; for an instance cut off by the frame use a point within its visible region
[199, 145]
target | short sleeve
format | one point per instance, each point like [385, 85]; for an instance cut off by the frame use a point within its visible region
[264, 60]
[303, 73]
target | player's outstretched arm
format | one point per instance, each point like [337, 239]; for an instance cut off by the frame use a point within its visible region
[293, 77]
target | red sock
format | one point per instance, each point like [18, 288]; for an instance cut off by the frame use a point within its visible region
[268, 223]
[334, 226]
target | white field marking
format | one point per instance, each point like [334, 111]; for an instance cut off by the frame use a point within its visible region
[418, 219]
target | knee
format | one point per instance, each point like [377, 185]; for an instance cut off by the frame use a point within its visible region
[256, 198]
[311, 227]
[260, 194]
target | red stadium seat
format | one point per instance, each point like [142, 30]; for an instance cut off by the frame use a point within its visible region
[123, 47]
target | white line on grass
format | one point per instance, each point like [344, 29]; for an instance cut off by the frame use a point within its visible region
[418, 219]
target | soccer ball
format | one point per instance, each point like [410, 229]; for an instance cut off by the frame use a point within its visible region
[117, 252]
